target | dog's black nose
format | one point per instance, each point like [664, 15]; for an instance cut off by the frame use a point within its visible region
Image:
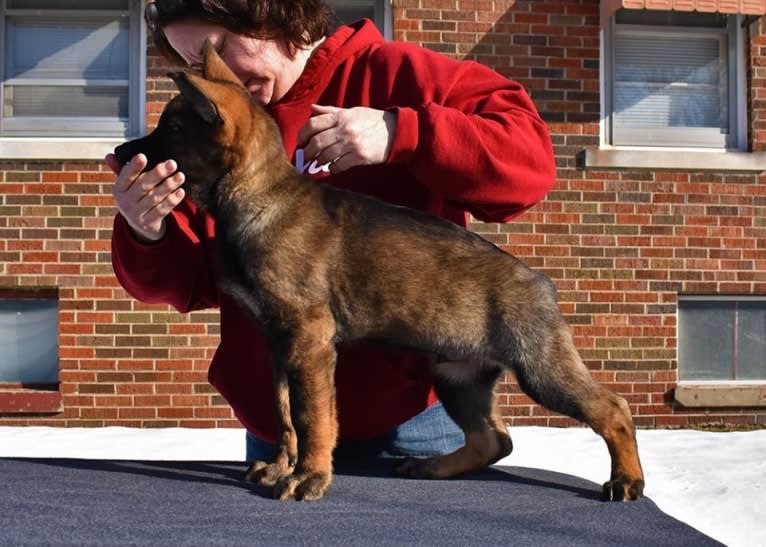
[124, 153]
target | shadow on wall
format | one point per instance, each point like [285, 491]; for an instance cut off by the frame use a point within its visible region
[552, 48]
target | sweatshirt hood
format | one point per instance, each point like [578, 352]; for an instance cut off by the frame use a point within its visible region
[345, 42]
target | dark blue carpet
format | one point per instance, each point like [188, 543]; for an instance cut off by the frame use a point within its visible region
[89, 502]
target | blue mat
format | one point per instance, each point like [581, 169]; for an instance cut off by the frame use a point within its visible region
[94, 502]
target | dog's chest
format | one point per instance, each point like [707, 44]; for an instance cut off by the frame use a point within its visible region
[241, 260]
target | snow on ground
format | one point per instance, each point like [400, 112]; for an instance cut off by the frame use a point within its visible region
[715, 482]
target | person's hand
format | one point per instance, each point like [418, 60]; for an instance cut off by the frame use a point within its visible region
[145, 199]
[347, 137]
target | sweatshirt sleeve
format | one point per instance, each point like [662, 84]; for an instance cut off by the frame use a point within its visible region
[471, 135]
[175, 270]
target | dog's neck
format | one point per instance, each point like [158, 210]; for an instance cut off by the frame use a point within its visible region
[257, 196]
[262, 185]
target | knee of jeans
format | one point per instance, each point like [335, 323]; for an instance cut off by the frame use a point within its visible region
[430, 433]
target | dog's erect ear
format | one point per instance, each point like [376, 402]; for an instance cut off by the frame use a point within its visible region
[190, 87]
[215, 68]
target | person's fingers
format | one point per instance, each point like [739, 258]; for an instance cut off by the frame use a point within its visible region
[344, 162]
[155, 215]
[129, 173]
[330, 153]
[323, 118]
[113, 163]
[155, 177]
[159, 192]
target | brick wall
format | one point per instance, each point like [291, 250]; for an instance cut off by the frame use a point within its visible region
[121, 362]
[620, 244]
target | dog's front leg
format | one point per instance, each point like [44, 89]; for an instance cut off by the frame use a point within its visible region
[268, 473]
[310, 372]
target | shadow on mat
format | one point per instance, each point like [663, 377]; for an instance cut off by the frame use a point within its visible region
[232, 473]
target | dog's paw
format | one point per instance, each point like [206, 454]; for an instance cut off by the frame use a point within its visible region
[303, 486]
[419, 468]
[267, 474]
[623, 489]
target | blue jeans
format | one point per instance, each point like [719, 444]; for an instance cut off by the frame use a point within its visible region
[430, 433]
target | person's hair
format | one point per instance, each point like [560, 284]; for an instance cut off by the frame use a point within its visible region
[298, 23]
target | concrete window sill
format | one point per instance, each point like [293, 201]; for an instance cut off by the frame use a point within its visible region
[663, 158]
[56, 148]
[733, 394]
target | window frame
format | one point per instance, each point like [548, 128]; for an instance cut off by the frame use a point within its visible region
[55, 145]
[736, 140]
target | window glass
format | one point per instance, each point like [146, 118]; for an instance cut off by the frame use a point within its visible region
[721, 339]
[80, 101]
[705, 341]
[349, 11]
[751, 341]
[28, 341]
[93, 48]
[683, 90]
[349, 14]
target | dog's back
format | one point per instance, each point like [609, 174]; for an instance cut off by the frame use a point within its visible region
[397, 272]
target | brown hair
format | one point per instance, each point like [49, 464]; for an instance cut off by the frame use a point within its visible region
[298, 23]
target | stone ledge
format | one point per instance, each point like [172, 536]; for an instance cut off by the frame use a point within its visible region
[694, 160]
[721, 395]
[56, 148]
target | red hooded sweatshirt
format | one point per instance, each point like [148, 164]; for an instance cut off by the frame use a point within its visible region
[467, 140]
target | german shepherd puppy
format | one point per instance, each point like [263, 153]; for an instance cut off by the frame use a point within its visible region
[315, 265]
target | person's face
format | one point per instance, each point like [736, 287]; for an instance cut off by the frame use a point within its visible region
[267, 68]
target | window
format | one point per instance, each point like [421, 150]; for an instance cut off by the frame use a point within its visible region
[722, 339]
[29, 337]
[71, 69]
[348, 11]
[674, 79]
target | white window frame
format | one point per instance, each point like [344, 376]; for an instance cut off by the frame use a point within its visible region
[49, 144]
[736, 140]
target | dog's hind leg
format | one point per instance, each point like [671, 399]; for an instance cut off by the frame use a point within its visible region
[551, 371]
[466, 391]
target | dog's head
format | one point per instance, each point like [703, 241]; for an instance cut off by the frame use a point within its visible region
[209, 129]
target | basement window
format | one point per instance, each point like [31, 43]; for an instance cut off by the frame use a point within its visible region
[722, 338]
[721, 351]
[29, 353]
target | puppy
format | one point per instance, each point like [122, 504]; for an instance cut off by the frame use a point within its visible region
[315, 265]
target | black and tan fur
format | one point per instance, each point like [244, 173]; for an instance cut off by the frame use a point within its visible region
[315, 266]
